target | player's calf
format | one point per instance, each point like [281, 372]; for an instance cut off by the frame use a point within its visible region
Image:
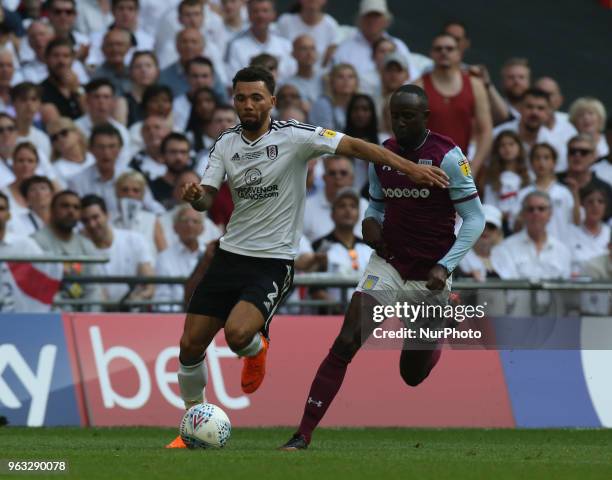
[416, 365]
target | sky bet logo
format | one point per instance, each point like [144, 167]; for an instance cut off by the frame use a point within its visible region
[406, 192]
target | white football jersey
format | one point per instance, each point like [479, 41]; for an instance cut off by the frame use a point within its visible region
[267, 178]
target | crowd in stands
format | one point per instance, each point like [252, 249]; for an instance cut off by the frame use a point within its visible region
[109, 107]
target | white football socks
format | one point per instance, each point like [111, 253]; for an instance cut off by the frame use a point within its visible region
[253, 348]
[192, 380]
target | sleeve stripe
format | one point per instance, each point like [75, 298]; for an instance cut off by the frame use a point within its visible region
[465, 199]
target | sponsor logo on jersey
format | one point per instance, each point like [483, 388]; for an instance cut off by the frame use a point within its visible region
[464, 165]
[252, 177]
[425, 161]
[370, 282]
[252, 155]
[406, 192]
[272, 151]
[236, 157]
[257, 193]
[327, 133]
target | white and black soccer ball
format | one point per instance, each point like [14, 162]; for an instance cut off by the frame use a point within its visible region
[205, 426]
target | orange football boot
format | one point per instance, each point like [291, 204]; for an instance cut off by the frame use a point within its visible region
[254, 369]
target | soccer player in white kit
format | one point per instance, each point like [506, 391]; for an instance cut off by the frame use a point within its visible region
[265, 162]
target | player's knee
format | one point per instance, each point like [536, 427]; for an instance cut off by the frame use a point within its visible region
[238, 338]
[190, 351]
[347, 344]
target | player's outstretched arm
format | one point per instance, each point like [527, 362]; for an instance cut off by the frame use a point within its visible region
[420, 174]
[200, 197]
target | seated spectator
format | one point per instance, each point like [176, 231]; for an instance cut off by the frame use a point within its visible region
[127, 251]
[203, 107]
[373, 20]
[506, 174]
[313, 22]
[61, 91]
[267, 62]
[176, 151]
[93, 16]
[477, 262]
[346, 252]
[579, 176]
[144, 72]
[318, 208]
[156, 101]
[287, 96]
[7, 74]
[589, 116]
[59, 237]
[223, 118]
[532, 253]
[200, 73]
[259, 39]
[329, 111]
[25, 98]
[125, 16]
[38, 193]
[115, 46]
[189, 44]
[565, 211]
[393, 74]
[380, 49]
[600, 267]
[105, 144]
[307, 79]
[234, 20]
[149, 161]
[131, 188]
[292, 113]
[69, 154]
[100, 101]
[181, 257]
[62, 16]
[590, 239]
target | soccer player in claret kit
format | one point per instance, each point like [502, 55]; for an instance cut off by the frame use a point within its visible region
[265, 162]
[411, 229]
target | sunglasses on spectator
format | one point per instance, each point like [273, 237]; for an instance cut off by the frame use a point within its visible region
[7, 129]
[64, 11]
[338, 173]
[353, 255]
[62, 133]
[583, 152]
[538, 208]
[443, 48]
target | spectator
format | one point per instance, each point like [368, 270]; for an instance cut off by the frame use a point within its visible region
[329, 111]
[477, 262]
[318, 208]
[7, 74]
[32, 54]
[144, 72]
[380, 49]
[307, 78]
[589, 116]
[506, 175]
[203, 107]
[125, 17]
[93, 16]
[126, 250]
[69, 149]
[374, 18]
[346, 252]
[115, 47]
[458, 30]
[130, 188]
[267, 62]
[200, 74]
[149, 161]
[60, 238]
[565, 210]
[38, 193]
[223, 118]
[532, 253]
[292, 113]
[105, 144]
[156, 101]
[189, 44]
[603, 167]
[516, 80]
[62, 16]
[312, 21]
[600, 268]
[100, 101]
[579, 176]
[25, 98]
[458, 103]
[176, 151]
[591, 237]
[393, 74]
[259, 39]
[61, 92]
[234, 20]
[361, 122]
[287, 96]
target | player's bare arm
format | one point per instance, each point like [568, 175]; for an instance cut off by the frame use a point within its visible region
[201, 197]
[373, 236]
[420, 174]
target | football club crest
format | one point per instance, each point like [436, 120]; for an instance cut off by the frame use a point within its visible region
[464, 166]
[370, 282]
[272, 151]
[425, 161]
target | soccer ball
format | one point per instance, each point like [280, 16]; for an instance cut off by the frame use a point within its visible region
[205, 426]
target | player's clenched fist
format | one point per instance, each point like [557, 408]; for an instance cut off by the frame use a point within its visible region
[192, 192]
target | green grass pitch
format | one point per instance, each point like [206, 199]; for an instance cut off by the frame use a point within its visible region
[377, 453]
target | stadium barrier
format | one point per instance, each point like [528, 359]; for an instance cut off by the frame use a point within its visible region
[119, 369]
